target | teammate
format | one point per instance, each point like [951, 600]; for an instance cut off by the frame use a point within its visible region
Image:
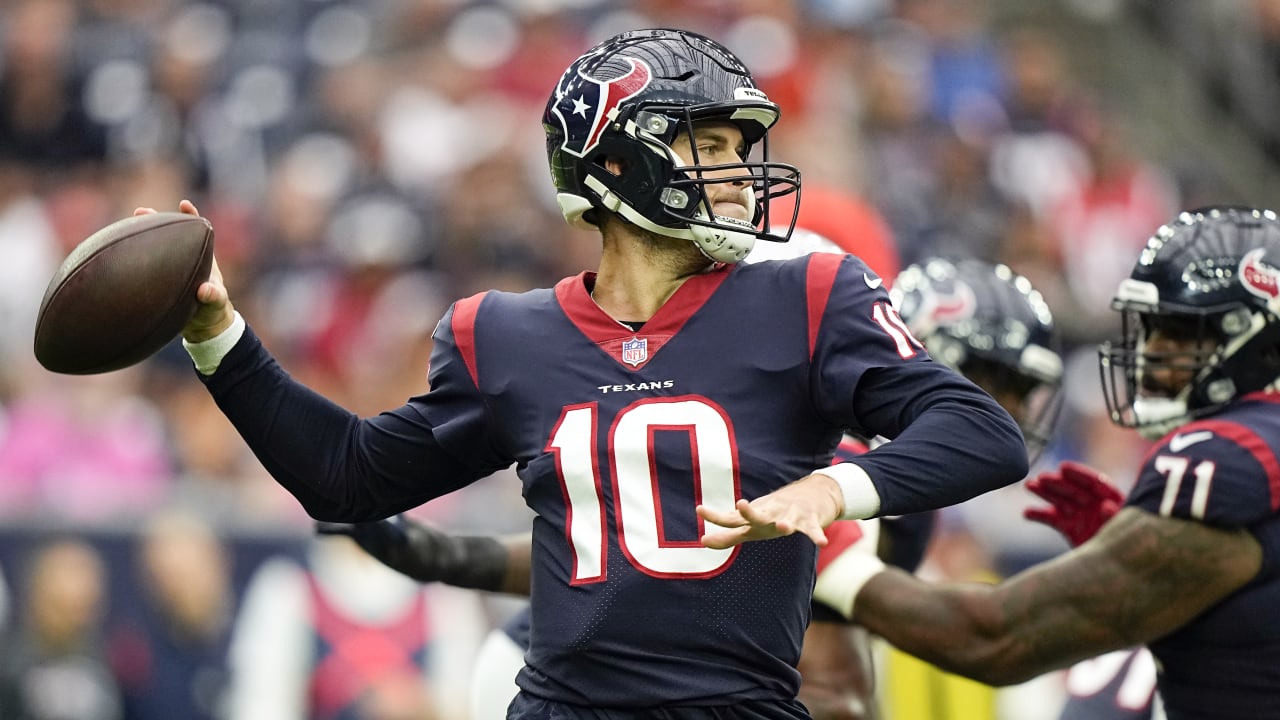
[980, 319]
[669, 382]
[1189, 566]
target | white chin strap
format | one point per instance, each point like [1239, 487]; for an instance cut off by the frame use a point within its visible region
[720, 243]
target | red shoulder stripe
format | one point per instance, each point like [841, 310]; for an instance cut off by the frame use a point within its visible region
[1245, 438]
[464, 331]
[1249, 440]
[820, 278]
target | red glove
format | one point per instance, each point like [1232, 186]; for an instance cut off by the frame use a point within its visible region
[1081, 500]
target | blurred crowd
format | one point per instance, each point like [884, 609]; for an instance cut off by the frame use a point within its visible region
[366, 162]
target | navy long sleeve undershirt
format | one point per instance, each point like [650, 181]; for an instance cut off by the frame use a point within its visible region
[340, 467]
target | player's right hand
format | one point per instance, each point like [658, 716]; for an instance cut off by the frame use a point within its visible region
[1081, 500]
[805, 506]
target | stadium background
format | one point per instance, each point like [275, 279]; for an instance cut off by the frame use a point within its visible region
[367, 161]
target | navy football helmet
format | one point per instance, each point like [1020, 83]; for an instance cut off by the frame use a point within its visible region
[1210, 279]
[627, 99]
[989, 324]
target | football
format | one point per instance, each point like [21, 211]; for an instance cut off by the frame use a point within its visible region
[123, 293]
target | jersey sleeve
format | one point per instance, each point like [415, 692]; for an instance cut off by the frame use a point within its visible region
[951, 441]
[853, 330]
[340, 467]
[455, 408]
[1216, 472]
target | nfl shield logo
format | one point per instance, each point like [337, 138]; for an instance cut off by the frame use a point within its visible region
[635, 351]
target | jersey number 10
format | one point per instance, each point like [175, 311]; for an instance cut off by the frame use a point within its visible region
[635, 486]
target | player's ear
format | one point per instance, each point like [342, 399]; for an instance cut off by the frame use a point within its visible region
[614, 164]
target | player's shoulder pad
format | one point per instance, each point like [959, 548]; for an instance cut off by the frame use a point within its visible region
[1216, 470]
[493, 313]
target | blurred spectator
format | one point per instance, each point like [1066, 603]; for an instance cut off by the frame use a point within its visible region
[1036, 162]
[42, 119]
[1113, 209]
[966, 74]
[346, 637]
[902, 138]
[29, 254]
[53, 666]
[91, 448]
[170, 655]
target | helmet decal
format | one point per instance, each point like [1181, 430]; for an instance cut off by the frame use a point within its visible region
[1258, 277]
[585, 105]
[959, 304]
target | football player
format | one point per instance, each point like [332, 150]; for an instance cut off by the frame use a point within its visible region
[1190, 566]
[669, 382]
[979, 319]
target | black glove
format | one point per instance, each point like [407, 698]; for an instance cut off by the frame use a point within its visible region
[381, 539]
[427, 554]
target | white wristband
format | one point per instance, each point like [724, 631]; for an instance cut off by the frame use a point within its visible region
[861, 499]
[840, 582]
[208, 354]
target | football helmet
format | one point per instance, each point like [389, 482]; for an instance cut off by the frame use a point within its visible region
[989, 324]
[1210, 280]
[627, 99]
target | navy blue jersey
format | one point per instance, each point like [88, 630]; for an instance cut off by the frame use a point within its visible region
[1223, 471]
[517, 628]
[741, 383]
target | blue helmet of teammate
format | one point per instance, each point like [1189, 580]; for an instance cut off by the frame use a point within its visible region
[1210, 278]
[989, 324]
[627, 99]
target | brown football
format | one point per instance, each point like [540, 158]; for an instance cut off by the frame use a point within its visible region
[123, 293]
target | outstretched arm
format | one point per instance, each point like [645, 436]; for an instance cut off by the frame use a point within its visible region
[1141, 577]
[427, 554]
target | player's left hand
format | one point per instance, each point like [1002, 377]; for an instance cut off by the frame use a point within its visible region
[805, 506]
[1081, 500]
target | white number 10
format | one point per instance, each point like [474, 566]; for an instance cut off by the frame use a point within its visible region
[635, 485]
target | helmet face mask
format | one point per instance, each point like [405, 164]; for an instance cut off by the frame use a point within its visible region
[987, 323]
[1199, 320]
[625, 102]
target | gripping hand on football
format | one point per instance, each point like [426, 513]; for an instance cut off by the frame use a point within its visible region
[428, 554]
[215, 313]
[805, 506]
[1081, 500]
